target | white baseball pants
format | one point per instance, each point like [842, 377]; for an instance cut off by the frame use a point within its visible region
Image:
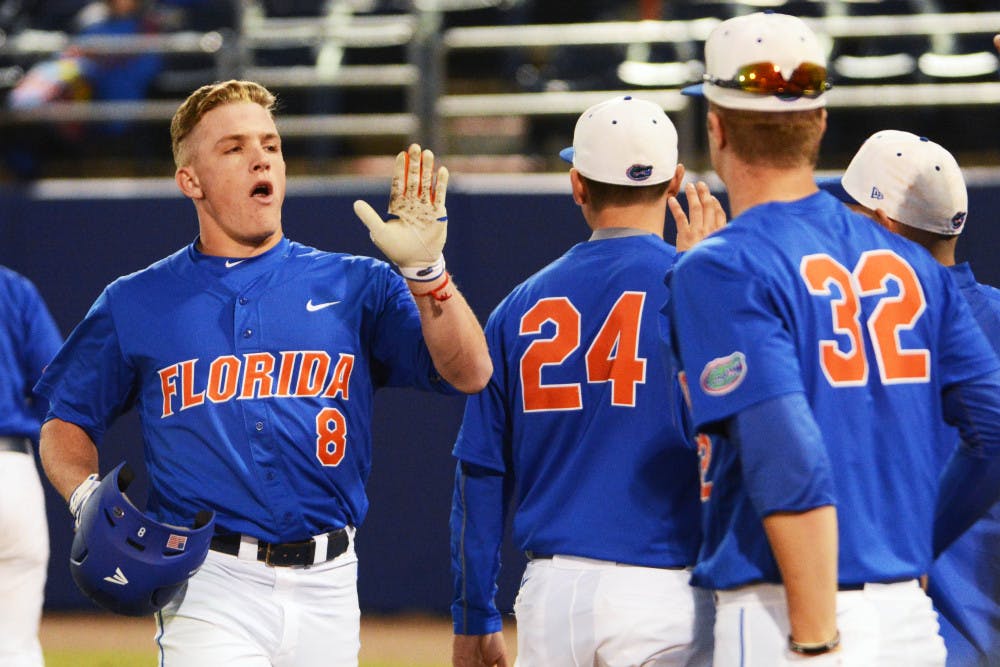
[243, 612]
[24, 559]
[883, 625]
[577, 612]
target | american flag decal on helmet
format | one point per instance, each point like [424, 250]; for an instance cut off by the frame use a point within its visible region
[177, 542]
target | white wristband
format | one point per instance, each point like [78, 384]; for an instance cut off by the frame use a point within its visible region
[424, 274]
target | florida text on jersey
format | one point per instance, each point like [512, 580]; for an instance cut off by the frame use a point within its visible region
[262, 405]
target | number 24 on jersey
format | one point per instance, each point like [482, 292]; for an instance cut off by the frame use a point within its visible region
[613, 354]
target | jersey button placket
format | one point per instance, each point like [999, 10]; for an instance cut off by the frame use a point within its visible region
[246, 325]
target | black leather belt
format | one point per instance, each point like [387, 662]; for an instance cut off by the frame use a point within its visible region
[289, 553]
[8, 444]
[861, 587]
[531, 555]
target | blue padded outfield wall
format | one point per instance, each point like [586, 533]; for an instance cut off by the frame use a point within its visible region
[71, 239]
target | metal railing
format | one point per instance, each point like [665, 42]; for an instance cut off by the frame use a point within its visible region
[426, 50]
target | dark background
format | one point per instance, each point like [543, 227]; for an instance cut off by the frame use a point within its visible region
[71, 244]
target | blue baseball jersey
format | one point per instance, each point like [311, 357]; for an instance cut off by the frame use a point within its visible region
[29, 338]
[806, 298]
[964, 582]
[575, 410]
[253, 379]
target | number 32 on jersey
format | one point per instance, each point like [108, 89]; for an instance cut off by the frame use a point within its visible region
[875, 268]
[612, 356]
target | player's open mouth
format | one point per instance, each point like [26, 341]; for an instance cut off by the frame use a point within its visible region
[262, 191]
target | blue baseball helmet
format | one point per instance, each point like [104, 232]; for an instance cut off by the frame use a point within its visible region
[128, 563]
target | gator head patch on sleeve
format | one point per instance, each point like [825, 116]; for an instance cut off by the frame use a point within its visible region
[724, 374]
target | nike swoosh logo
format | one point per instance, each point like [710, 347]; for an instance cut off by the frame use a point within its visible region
[230, 263]
[313, 307]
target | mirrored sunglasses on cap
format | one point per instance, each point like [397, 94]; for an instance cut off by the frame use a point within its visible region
[765, 78]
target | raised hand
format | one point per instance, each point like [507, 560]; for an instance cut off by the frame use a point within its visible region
[705, 215]
[414, 235]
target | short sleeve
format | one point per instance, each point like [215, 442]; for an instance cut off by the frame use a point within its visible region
[89, 382]
[734, 347]
[397, 344]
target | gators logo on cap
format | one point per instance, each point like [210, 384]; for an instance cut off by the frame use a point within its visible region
[958, 220]
[639, 172]
[724, 374]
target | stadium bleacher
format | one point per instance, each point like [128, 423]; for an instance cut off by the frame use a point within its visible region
[492, 84]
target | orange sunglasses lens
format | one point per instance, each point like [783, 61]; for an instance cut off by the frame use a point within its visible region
[765, 78]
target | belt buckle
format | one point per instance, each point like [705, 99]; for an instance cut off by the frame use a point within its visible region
[267, 554]
[299, 554]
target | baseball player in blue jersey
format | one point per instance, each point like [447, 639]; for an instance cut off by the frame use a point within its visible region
[914, 187]
[252, 361]
[29, 339]
[606, 504]
[820, 352]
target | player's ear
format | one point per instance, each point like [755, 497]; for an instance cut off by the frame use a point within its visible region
[675, 183]
[882, 218]
[188, 183]
[716, 131]
[580, 194]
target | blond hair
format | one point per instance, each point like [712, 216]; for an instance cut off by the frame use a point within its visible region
[783, 140]
[209, 97]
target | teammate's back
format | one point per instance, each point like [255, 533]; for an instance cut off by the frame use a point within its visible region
[915, 188]
[820, 353]
[576, 418]
[587, 418]
[876, 332]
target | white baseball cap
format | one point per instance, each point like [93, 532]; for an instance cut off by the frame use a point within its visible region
[766, 38]
[624, 141]
[914, 180]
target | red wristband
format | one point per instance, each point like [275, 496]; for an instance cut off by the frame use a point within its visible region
[436, 293]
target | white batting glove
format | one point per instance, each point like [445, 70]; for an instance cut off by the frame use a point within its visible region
[81, 495]
[413, 237]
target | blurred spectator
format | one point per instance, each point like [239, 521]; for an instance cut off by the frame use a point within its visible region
[79, 74]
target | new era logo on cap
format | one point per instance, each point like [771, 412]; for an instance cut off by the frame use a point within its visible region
[624, 141]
